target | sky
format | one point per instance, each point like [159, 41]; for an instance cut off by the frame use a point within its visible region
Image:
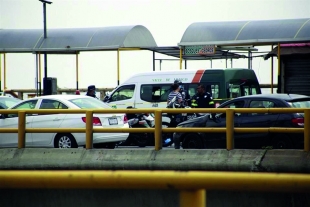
[167, 20]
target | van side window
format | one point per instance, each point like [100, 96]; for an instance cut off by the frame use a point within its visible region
[212, 88]
[242, 89]
[155, 93]
[123, 93]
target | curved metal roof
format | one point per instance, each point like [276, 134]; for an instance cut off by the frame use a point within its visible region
[72, 40]
[247, 32]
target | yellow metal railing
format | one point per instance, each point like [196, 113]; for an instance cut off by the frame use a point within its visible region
[192, 185]
[89, 130]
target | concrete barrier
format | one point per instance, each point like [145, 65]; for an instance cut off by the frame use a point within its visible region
[296, 161]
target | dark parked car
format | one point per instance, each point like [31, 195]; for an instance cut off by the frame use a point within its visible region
[196, 140]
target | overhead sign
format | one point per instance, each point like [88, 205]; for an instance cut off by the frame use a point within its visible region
[199, 50]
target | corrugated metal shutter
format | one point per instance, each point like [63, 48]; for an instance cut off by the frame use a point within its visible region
[297, 74]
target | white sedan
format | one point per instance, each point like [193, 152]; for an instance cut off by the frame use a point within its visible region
[63, 140]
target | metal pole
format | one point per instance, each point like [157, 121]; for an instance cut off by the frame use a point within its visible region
[45, 74]
[118, 66]
[181, 58]
[249, 59]
[89, 129]
[4, 71]
[230, 129]
[185, 64]
[271, 86]
[21, 129]
[77, 70]
[45, 54]
[37, 76]
[226, 62]
[211, 62]
[279, 70]
[153, 60]
[40, 77]
[44, 19]
[231, 62]
[193, 198]
[0, 71]
[158, 128]
[160, 61]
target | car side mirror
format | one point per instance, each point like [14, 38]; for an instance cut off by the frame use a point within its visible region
[106, 98]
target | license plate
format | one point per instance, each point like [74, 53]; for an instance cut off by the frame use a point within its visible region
[113, 121]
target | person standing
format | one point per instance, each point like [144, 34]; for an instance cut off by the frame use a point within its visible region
[202, 99]
[175, 92]
[91, 91]
[185, 95]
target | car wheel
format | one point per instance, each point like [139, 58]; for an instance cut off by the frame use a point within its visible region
[192, 141]
[281, 142]
[65, 141]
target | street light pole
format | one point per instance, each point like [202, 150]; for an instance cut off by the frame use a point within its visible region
[45, 36]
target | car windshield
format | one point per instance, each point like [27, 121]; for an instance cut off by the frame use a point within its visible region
[89, 103]
[300, 104]
[8, 102]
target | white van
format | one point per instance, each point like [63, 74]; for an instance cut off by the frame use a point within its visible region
[151, 89]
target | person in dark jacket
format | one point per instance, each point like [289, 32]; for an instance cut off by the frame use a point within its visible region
[91, 91]
[202, 99]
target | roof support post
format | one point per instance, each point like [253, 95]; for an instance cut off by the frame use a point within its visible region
[118, 66]
[40, 76]
[279, 71]
[181, 52]
[37, 76]
[153, 60]
[4, 71]
[0, 71]
[77, 70]
[249, 60]
[271, 86]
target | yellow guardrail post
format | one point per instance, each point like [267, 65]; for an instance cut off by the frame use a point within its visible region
[193, 198]
[158, 130]
[89, 129]
[307, 130]
[230, 129]
[21, 129]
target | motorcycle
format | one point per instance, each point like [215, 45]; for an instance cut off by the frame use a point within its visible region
[143, 120]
